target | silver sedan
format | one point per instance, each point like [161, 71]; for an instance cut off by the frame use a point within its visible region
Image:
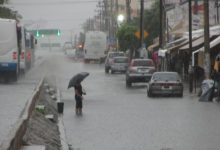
[165, 83]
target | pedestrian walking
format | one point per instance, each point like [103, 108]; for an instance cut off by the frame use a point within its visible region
[79, 97]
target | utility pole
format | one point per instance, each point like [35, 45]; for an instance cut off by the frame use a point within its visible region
[100, 20]
[112, 19]
[100, 10]
[190, 48]
[116, 23]
[167, 30]
[128, 10]
[161, 33]
[116, 7]
[75, 41]
[162, 24]
[142, 24]
[195, 7]
[106, 14]
[217, 11]
[206, 34]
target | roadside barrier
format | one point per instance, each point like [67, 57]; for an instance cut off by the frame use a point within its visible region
[13, 141]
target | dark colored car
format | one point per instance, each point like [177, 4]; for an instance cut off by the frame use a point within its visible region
[109, 60]
[119, 64]
[140, 70]
[165, 83]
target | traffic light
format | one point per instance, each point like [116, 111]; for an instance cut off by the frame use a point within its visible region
[37, 34]
[58, 32]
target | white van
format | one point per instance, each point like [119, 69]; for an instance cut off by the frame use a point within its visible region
[95, 46]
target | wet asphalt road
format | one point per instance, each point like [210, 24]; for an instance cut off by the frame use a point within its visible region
[115, 117]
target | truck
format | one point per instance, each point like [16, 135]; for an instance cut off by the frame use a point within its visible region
[10, 49]
[95, 46]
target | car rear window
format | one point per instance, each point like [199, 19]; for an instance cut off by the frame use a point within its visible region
[121, 60]
[166, 77]
[147, 63]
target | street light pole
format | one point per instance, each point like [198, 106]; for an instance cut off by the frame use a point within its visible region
[128, 10]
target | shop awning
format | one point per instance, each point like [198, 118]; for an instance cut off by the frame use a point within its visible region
[195, 43]
[176, 42]
[177, 47]
[213, 43]
[151, 47]
[183, 44]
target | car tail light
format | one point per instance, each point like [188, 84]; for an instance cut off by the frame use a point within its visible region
[22, 55]
[131, 66]
[155, 84]
[14, 55]
[29, 56]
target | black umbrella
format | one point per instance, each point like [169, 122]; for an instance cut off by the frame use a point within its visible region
[78, 77]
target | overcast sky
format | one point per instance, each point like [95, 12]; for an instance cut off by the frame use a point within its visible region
[64, 14]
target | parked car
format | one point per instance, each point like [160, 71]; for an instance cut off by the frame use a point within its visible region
[119, 64]
[165, 83]
[109, 59]
[140, 70]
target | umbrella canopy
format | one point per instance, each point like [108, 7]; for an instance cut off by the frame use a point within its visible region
[78, 77]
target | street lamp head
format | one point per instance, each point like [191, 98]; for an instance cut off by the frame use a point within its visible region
[120, 18]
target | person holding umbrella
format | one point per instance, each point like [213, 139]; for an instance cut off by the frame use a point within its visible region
[76, 83]
[78, 97]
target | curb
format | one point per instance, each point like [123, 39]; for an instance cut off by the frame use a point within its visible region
[64, 143]
[13, 141]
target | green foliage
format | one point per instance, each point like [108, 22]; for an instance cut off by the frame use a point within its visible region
[1, 1]
[6, 12]
[127, 38]
[152, 22]
[42, 111]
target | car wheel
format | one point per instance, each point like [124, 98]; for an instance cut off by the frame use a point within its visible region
[128, 83]
[106, 70]
[112, 71]
[149, 93]
[180, 95]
